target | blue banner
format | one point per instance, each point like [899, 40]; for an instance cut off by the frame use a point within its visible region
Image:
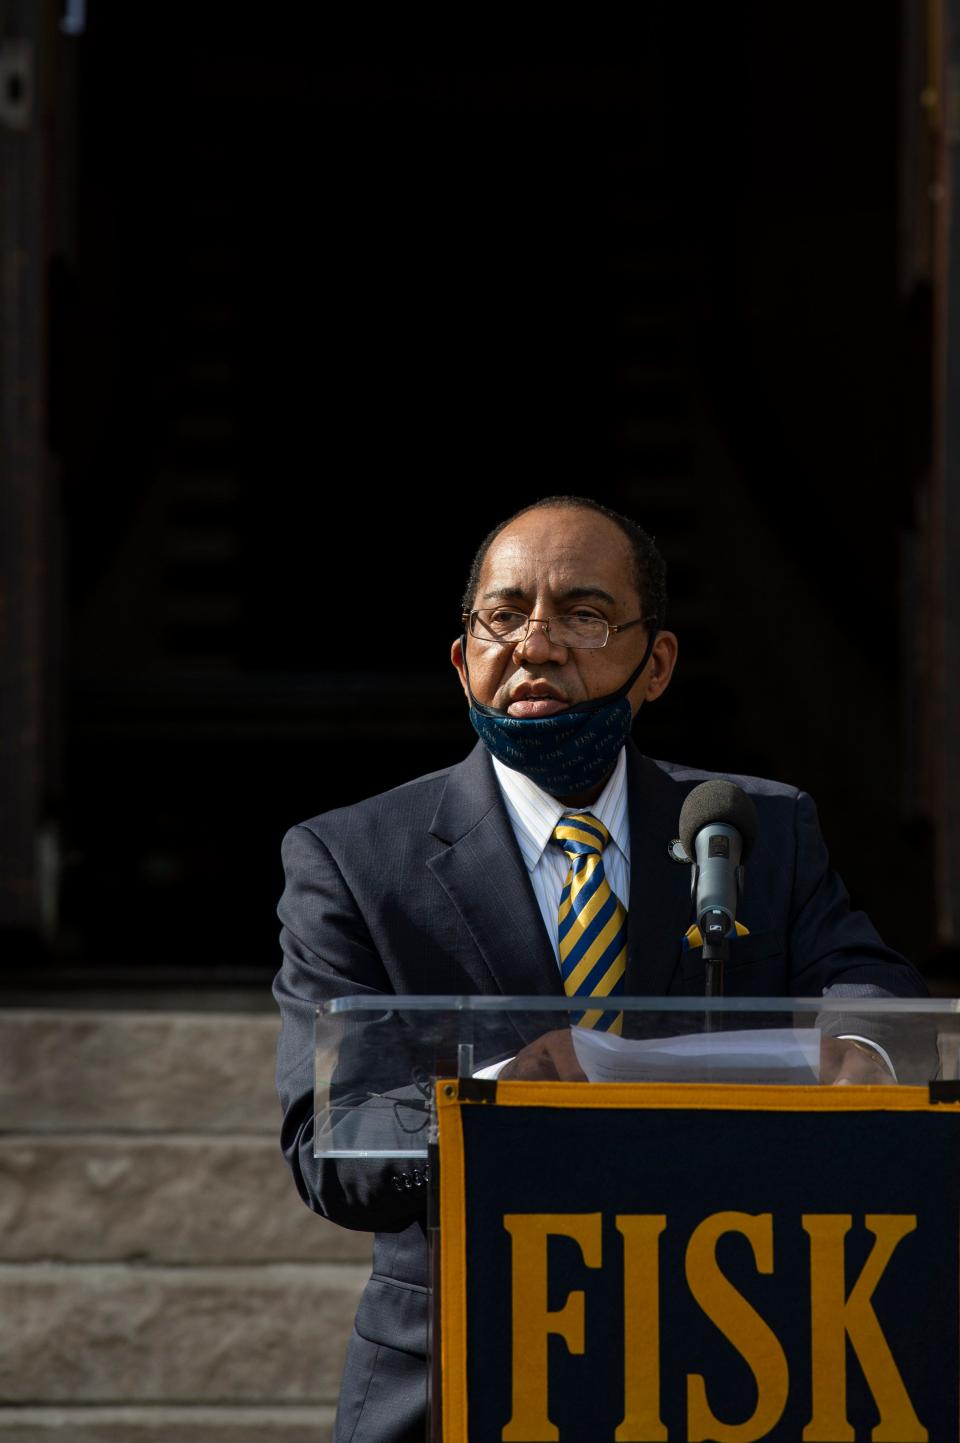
[650, 1264]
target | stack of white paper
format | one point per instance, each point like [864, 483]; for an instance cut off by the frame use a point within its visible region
[779, 1054]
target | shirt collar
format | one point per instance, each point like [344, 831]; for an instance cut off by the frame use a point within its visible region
[534, 813]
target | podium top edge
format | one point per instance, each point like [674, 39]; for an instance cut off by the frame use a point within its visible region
[403, 1002]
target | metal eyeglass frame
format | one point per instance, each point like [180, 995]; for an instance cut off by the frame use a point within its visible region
[544, 622]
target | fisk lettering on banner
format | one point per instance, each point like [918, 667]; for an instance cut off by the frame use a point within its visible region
[841, 1313]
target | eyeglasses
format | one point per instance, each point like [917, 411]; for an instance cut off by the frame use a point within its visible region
[581, 630]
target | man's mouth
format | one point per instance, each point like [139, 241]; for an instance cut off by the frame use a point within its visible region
[535, 700]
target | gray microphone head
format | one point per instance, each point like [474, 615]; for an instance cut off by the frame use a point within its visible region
[714, 802]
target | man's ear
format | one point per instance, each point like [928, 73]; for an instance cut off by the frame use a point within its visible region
[456, 656]
[663, 659]
[655, 678]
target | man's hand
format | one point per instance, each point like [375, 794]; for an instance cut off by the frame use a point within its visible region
[845, 1062]
[550, 1059]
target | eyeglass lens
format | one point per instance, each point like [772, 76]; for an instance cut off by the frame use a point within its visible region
[503, 625]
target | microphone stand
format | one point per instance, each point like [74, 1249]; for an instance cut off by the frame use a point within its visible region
[716, 951]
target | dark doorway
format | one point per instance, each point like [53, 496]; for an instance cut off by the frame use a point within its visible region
[326, 318]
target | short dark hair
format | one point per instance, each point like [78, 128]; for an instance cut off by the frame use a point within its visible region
[650, 569]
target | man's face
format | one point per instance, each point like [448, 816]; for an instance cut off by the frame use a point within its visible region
[548, 563]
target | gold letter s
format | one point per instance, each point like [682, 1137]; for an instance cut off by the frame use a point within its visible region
[739, 1322]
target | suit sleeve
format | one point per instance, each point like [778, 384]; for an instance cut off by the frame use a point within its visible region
[836, 952]
[328, 952]
[830, 942]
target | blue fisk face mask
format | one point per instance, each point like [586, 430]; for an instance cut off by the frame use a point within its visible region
[564, 754]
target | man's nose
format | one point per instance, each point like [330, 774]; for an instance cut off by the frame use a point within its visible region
[538, 645]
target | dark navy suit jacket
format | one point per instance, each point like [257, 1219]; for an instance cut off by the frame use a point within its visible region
[423, 890]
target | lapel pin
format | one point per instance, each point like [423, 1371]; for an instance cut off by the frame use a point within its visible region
[677, 853]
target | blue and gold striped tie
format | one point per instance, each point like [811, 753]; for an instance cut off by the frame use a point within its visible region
[593, 922]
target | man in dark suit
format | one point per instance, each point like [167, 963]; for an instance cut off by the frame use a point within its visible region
[451, 884]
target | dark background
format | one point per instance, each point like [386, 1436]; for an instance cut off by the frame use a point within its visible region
[320, 316]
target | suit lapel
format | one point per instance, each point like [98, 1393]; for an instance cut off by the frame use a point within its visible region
[660, 909]
[485, 877]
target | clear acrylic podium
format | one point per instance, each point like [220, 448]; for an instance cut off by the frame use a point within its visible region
[377, 1059]
[380, 1061]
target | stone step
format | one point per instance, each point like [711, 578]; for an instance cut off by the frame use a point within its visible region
[106, 1333]
[169, 1199]
[160, 1424]
[137, 1072]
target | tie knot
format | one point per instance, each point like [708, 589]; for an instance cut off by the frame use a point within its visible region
[581, 835]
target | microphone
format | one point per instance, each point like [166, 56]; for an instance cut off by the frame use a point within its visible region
[718, 827]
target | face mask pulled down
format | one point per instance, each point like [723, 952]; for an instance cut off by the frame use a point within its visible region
[564, 754]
